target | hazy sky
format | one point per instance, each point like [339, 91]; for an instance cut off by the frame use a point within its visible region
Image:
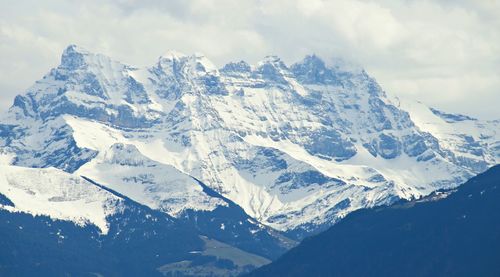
[445, 53]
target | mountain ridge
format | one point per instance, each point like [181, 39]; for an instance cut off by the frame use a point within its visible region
[296, 147]
[454, 236]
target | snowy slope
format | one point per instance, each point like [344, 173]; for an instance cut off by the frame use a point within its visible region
[297, 147]
[125, 170]
[31, 196]
[57, 194]
[474, 141]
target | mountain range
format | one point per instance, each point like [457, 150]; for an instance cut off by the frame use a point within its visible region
[455, 236]
[255, 157]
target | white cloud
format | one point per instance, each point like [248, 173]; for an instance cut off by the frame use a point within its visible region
[446, 53]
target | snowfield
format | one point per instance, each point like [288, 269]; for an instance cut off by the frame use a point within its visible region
[57, 194]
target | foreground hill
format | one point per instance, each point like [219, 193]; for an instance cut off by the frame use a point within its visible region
[57, 224]
[455, 236]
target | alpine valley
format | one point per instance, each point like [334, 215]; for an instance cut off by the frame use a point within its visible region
[184, 169]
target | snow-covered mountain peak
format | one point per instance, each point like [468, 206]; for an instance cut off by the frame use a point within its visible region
[175, 76]
[181, 63]
[314, 70]
[236, 68]
[75, 49]
[76, 57]
[273, 70]
[312, 61]
[202, 60]
[271, 63]
[73, 57]
[173, 55]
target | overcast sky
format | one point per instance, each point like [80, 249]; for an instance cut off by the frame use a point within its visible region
[445, 53]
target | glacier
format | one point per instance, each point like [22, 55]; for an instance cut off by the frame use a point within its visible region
[296, 147]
